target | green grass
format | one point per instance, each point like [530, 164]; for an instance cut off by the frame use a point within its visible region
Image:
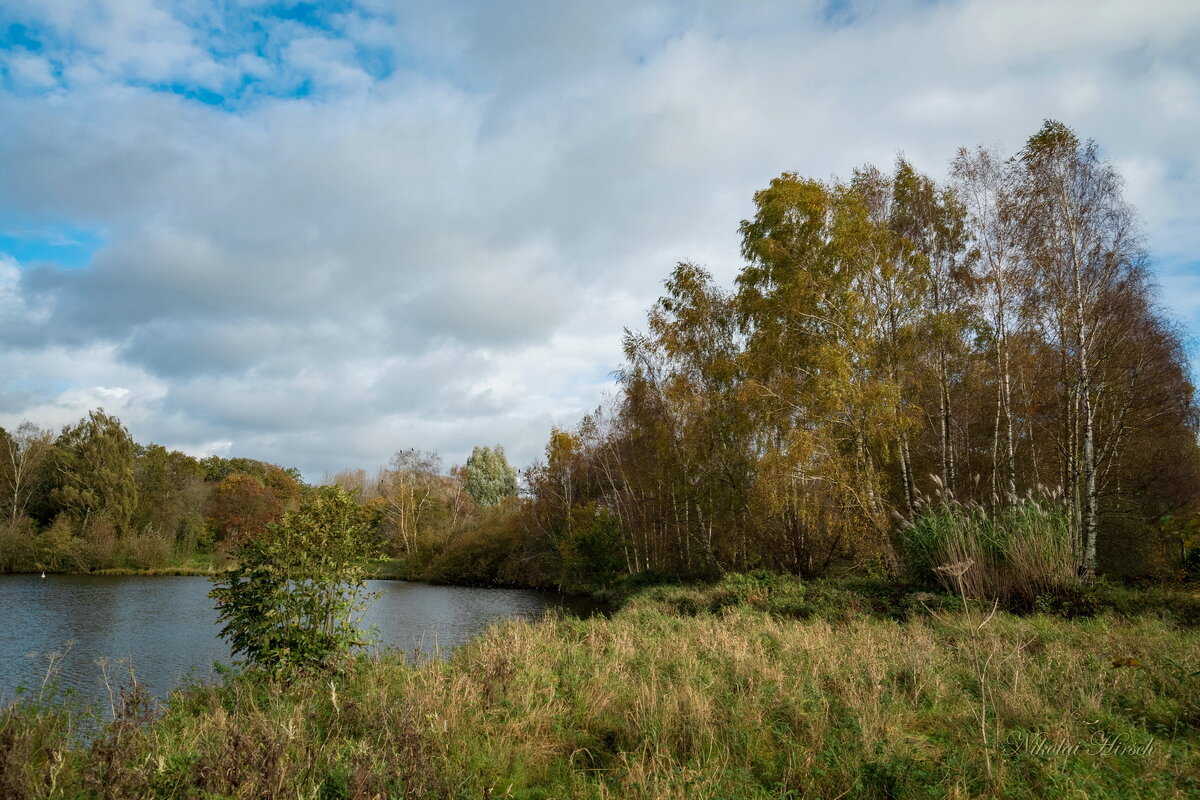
[178, 570]
[196, 564]
[840, 599]
[753, 687]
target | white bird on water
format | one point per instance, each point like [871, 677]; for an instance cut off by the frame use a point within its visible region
[43, 574]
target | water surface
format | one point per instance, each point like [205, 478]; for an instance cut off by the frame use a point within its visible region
[166, 626]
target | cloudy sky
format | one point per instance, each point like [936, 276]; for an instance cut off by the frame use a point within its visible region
[316, 233]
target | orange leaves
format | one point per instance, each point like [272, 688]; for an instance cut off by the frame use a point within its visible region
[241, 508]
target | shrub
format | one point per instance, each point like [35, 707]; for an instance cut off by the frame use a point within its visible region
[147, 551]
[489, 551]
[58, 547]
[294, 599]
[591, 549]
[1191, 564]
[17, 546]
[98, 544]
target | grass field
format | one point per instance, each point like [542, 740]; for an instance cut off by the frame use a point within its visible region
[749, 688]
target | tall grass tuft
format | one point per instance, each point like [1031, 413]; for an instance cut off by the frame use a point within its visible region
[1019, 552]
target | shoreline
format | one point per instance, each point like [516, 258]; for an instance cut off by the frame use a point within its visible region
[601, 598]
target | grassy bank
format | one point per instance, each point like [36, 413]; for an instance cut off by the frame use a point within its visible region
[197, 564]
[733, 690]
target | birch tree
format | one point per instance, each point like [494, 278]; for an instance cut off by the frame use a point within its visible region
[25, 450]
[828, 409]
[985, 183]
[408, 489]
[1082, 243]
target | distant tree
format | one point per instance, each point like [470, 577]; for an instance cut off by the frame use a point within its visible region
[215, 468]
[555, 483]
[241, 508]
[458, 502]
[488, 477]
[94, 465]
[352, 480]
[285, 484]
[171, 491]
[410, 488]
[25, 450]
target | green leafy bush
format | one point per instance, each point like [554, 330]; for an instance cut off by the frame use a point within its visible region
[490, 551]
[17, 544]
[591, 548]
[294, 599]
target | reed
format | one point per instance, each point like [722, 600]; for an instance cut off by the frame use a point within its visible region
[1021, 552]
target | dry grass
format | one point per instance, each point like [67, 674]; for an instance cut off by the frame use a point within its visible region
[652, 705]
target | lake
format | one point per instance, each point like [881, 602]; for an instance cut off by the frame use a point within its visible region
[166, 626]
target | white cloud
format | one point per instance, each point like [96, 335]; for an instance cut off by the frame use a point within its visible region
[30, 71]
[447, 255]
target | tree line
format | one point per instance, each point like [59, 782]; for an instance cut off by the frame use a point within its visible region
[894, 342]
[88, 497]
[896, 351]
[894, 346]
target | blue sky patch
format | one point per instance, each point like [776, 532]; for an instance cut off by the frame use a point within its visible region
[66, 246]
[17, 35]
[314, 15]
[198, 93]
[839, 13]
[226, 35]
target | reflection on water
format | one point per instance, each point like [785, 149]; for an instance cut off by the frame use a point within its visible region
[166, 626]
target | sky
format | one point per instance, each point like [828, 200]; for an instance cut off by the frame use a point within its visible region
[319, 233]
